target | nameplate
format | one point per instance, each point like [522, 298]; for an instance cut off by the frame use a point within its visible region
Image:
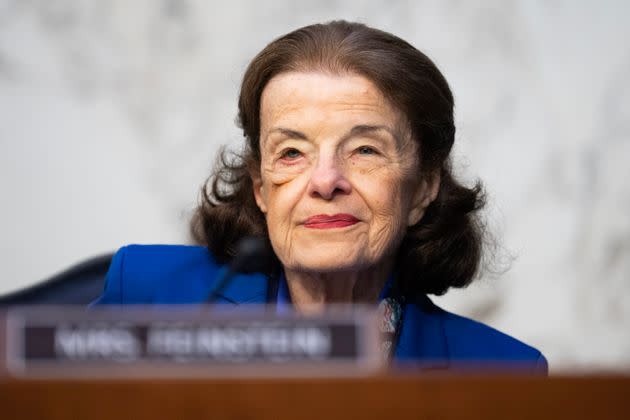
[189, 342]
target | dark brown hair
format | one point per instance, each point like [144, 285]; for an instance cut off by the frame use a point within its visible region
[443, 249]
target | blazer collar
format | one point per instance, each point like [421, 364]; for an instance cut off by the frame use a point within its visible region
[422, 341]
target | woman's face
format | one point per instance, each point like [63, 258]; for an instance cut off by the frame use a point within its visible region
[339, 181]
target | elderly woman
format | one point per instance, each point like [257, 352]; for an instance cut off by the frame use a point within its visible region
[345, 173]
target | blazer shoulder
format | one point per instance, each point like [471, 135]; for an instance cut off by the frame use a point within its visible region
[470, 340]
[157, 274]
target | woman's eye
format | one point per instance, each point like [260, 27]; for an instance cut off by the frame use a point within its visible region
[291, 154]
[366, 150]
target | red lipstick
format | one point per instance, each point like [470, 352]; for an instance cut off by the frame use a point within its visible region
[324, 221]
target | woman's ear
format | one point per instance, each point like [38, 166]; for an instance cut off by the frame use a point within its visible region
[259, 193]
[424, 195]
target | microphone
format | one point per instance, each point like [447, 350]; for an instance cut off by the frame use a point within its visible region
[252, 255]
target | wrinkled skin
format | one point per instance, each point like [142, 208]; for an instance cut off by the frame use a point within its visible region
[333, 144]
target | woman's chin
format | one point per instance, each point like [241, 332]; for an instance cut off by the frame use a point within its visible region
[327, 253]
[318, 263]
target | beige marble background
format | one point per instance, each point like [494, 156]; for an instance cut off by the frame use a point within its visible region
[111, 113]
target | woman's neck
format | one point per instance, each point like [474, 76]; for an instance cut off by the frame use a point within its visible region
[311, 292]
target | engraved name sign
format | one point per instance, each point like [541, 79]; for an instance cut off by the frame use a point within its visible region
[63, 341]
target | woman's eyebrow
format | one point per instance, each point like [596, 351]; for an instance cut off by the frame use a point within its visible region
[288, 133]
[363, 129]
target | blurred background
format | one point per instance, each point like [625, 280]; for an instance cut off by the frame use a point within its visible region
[111, 113]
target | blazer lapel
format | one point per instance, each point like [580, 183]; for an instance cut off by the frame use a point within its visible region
[422, 339]
[246, 288]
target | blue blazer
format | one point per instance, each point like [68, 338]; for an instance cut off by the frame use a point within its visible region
[430, 337]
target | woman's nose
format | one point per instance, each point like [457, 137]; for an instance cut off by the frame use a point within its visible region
[328, 179]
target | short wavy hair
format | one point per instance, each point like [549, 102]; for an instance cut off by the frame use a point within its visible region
[444, 248]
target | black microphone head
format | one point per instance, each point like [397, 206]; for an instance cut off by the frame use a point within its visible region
[253, 254]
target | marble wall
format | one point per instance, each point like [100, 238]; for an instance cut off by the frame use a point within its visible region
[111, 113]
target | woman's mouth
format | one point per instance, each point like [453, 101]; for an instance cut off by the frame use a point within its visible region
[324, 221]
